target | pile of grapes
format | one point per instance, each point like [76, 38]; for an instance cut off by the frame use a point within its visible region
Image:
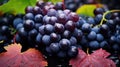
[59, 32]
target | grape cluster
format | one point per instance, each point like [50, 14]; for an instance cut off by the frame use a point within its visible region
[6, 28]
[104, 36]
[49, 27]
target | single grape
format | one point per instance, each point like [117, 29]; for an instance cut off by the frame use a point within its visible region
[54, 47]
[73, 40]
[62, 18]
[49, 28]
[59, 28]
[100, 37]
[94, 45]
[51, 12]
[98, 11]
[17, 21]
[64, 44]
[38, 38]
[29, 9]
[46, 40]
[28, 24]
[37, 10]
[41, 29]
[38, 18]
[22, 32]
[59, 6]
[29, 16]
[73, 16]
[66, 34]
[86, 27]
[70, 26]
[92, 35]
[33, 33]
[73, 51]
[54, 37]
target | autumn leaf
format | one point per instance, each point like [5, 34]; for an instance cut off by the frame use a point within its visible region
[87, 9]
[16, 6]
[97, 59]
[14, 58]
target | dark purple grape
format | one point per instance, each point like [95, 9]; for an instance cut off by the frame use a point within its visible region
[37, 25]
[66, 34]
[99, 37]
[40, 3]
[49, 28]
[73, 16]
[78, 34]
[29, 9]
[62, 18]
[53, 20]
[98, 18]
[64, 44]
[51, 12]
[37, 10]
[104, 28]
[70, 25]
[59, 6]
[113, 39]
[29, 16]
[46, 40]
[28, 24]
[46, 19]
[20, 25]
[86, 27]
[73, 51]
[38, 38]
[67, 12]
[98, 11]
[54, 47]
[91, 20]
[80, 23]
[54, 37]
[38, 18]
[92, 35]
[4, 30]
[111, 24]
[96, 29]
[33, 33]
[104, 45]
[41, 29]
[114, 15]
[22, 32]
[94, 45]
[17, 21]
[59, 28]
[73, 40]
[45, 10]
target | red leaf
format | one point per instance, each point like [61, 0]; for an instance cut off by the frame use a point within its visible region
[14, 58]
[96, 59]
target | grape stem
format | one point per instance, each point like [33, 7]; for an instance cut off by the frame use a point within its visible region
[103, 17]
[1, 41]
[87, 51]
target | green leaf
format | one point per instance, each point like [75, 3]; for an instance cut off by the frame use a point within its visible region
[88, 9]
[16, 6]
[54, 1]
